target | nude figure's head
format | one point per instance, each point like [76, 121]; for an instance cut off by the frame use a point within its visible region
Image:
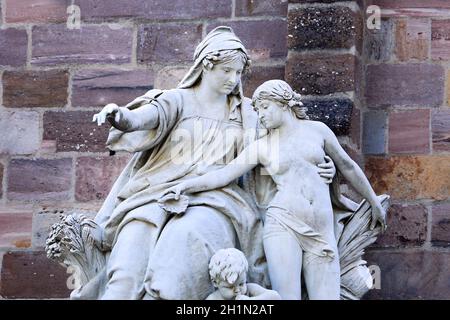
[273, 99]
[219, 61]
[228, 270]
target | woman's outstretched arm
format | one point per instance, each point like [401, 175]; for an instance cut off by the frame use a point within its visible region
[142, 118]
[353, 173]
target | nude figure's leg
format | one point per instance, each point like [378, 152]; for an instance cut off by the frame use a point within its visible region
[322, 277]
[284, 261]
[128, 261]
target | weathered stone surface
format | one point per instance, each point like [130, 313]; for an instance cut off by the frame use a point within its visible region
[261, 8]
[321, 74]
[17, 39]
[96, 88]
[374, 132]
[28, 11]
[15, 227]
[335, 113]
[95, 176]
[1, 180]
[75, 131]
[168, 43]
[321, 28]
[169, 77]
[35, 88]
[440, 230]
[355, 127]
[410, 177]
[407, 226]
[20, 132]
[258, 75]
[389, 4]
[440, 40]
[56, 44]
[45, 218]
[440, 127]
[411, 275]
[39, 179]
[420, 84]
[380, 43]
[263, 39]
[409, 131]
[154, 9]
[412, 39]
[28, 274]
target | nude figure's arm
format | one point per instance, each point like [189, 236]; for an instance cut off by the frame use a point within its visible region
[142, 118]
[256, 292]
[353, 173]
[247, 160]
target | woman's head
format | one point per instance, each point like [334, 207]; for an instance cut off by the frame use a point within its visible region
[221, 51]
[222, 70]
[272, 98]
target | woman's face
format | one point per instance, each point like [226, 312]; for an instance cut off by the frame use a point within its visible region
[224, 77]
[270, 113]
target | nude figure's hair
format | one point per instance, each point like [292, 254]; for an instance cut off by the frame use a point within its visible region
[281, 92]
[224, 56]
[227, 265]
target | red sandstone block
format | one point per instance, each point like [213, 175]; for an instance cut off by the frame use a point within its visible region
[168, 43]
[17, 39]
[75, 131]
[413, 39]
[440, 127]
[28, 274]
[415, 84]
[154, 9]
[95, 176]
[1, 180]
[355, 127]
[398, 4]
[15, 227]
[27, 11]
[407, 226]
[56, 44]
[440, 230]
[39, 179]
[258, 75]
[261, 8]
[411, 275]
[410, 177]
[409, 131]
[96, 88]
[440, 40]
[263, 38]
[31, 89]
[319, 74]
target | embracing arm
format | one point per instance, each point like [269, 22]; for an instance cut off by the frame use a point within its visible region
[353, 174]
[246, 161]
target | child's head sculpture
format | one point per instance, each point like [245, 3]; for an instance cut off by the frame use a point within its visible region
[228, 270]
[274, 97]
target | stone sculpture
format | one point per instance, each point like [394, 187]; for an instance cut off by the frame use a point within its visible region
[144, 243]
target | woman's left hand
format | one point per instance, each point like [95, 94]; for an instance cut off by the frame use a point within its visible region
[327, 170]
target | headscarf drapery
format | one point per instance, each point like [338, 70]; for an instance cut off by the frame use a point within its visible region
[219, 39]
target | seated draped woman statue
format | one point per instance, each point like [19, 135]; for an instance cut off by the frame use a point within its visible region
[137, 249]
